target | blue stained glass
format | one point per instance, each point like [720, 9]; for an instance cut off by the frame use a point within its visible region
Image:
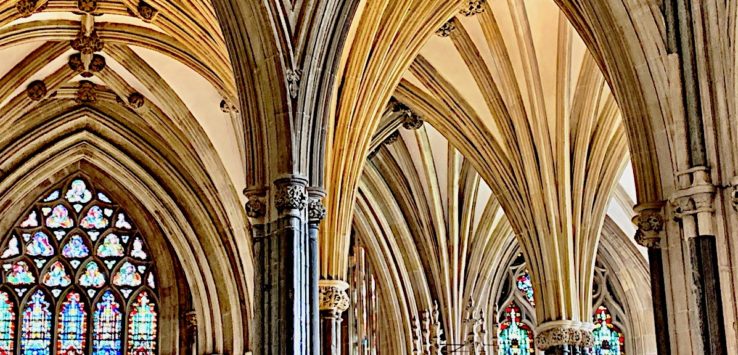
[94, 219]
[39, 245]
[107, 323]
[78, 192]
[110, 247]
[526, 287]
[142, 326]
[36, 330]
[59, 218]
[57, 276]
[92, 277]
[72, 326]
[7, 324]
[608, 339]
[19, 274]
[75, 248]
[513, 336]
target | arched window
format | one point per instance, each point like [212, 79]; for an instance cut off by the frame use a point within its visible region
[514, 337]
[608, 331]
[77, 278]
[515, 311]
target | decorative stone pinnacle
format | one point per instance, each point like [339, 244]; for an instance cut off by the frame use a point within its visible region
[87, 44]
[290, 196]
[36, 90]
[293, 82]
[146, 11]
[255, 208]
[446, 28]
[86, 93]
[472, 7]
[650, 223]
[87, 6]
[316, 210]
[564, 335]
[333, 296]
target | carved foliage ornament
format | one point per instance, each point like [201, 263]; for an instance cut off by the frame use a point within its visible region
[290, 197]
[446, 29]
[316, 210]
[473, 7]
[86, 93]
[36, 90]
[559, 336]
[255, 208]
[87, 5]
[27, 7]
[333, 298]
[87, 44]
[136, 100]
[650, 223]
[410, 120]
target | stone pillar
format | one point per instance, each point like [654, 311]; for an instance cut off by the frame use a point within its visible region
[565, 338]
[316, 213]
[334, 300]
[282, 268]
[650, 222]
[191, 331]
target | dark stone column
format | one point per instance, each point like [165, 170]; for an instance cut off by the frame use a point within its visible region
[334, 300]
[282, 271]
[316, 213]
[707, 281]
[650, 224]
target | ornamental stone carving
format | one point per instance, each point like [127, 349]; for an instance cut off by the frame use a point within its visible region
[97, 64]
[136, 100]
[734, 193]
[333, 296]
[316, 210]
[26, 7]
[87, 5]
[650, 223]
[255, 208]
[86, 93]
[410, 120]
[473, 7]
[36, 90]
[228, 107]
[446, 29]
[562, 335]
[290, 197]
[87, 44]
[392, 137]
[146, 11]
[293, 82]
[75, 62]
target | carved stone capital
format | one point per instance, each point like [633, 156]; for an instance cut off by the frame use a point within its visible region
[228, 107]
[472, 7]
[87, 44]
[87, 6]
[650, 223]
[146, 11]
[316, 210]
[36, 90]
[191, 319]
[290, 194]
[560, 335]
[393, 137]
[333, 296]
[446, 28]
[293, 82]
[86, 93]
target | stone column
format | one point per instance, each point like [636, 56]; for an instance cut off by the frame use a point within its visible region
[316, 213]
[565, 338]
[334, 300]
[282, 268]
[650, 222]
[191, 331]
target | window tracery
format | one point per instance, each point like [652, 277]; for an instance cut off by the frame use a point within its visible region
[77, 278]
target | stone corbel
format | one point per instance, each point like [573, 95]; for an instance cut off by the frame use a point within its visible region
[649, 220]
[333, 297]
[256, 205]
[564, 333]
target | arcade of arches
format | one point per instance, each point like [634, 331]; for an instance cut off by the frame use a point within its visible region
[368, 177]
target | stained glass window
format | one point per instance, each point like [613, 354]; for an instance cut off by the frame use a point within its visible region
[72, 326]
[36, 331]
[78, 278]
[526, 287]
[514, 337]
[142, 326]
[609, 340]
[7, 324]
